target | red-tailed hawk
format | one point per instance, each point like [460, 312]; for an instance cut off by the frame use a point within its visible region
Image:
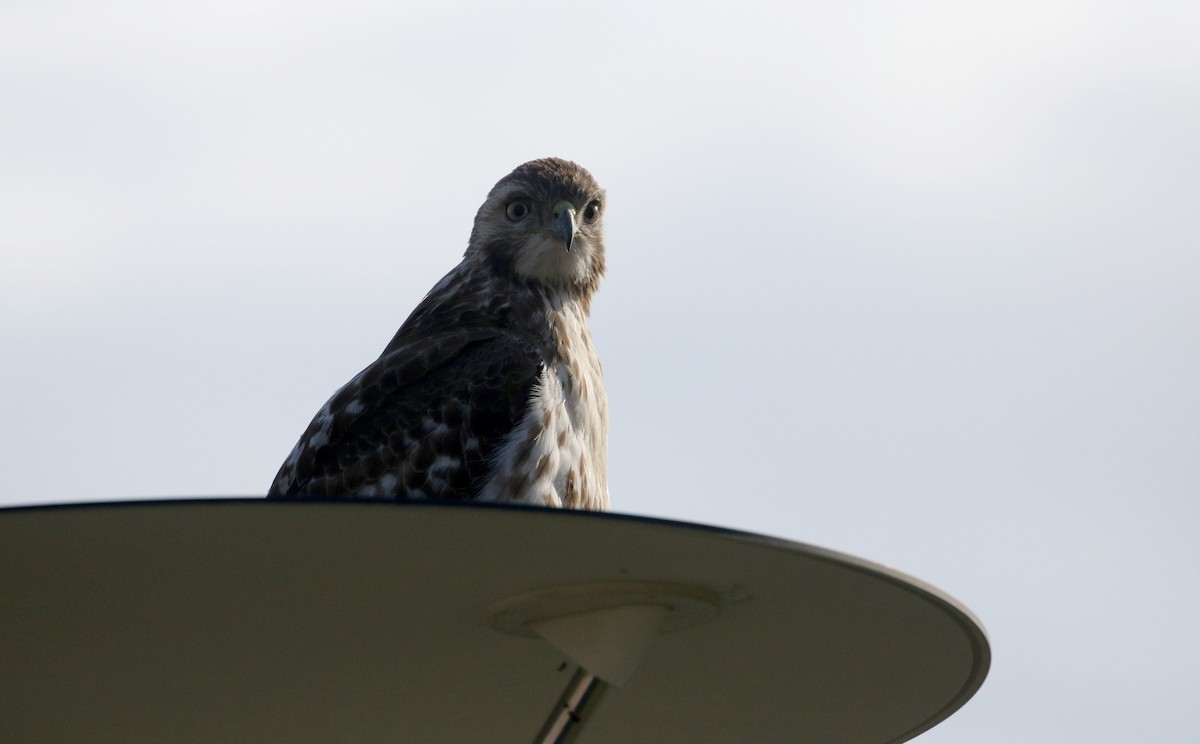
[491, 390]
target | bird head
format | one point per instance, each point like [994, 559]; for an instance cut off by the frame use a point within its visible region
[543, 223]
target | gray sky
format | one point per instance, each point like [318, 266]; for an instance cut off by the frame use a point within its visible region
[918, 282]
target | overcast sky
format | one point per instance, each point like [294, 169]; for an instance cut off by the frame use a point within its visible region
[914, 281]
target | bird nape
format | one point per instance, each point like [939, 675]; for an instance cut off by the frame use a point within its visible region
[491, 390]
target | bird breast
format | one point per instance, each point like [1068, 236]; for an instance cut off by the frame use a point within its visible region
[558, 454]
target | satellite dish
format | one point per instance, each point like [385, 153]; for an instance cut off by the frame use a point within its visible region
[204, 621]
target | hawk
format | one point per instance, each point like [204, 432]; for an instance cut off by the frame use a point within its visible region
[491, 390]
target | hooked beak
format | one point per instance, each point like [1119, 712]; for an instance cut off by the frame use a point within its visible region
[564, 222]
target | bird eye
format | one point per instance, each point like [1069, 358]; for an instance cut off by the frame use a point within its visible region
[517, 210]
[591, 212]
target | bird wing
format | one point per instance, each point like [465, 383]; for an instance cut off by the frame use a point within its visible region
[421, 421]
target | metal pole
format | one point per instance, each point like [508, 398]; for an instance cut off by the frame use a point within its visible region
[572, 709]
